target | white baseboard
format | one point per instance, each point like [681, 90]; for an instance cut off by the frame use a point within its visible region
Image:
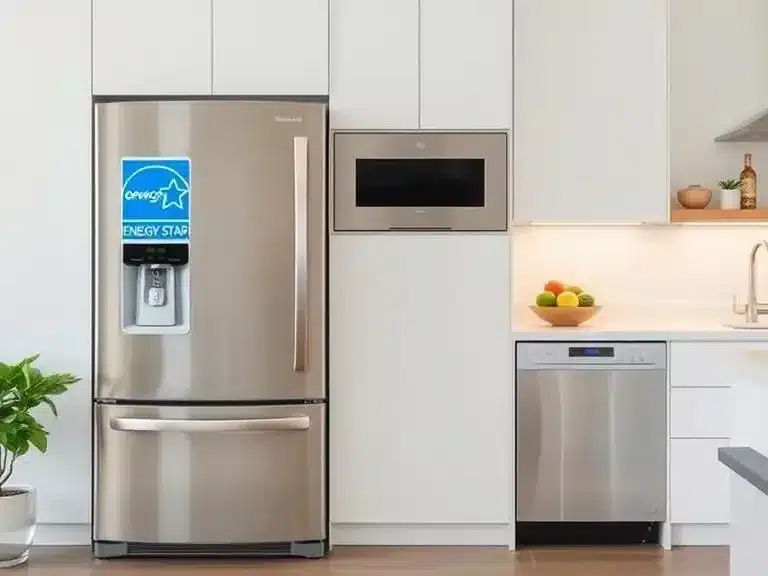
[420, 534]
[63, 535]
[407, 534]
[700, 534]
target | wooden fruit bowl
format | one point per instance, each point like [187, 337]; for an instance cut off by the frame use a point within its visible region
[563, 317]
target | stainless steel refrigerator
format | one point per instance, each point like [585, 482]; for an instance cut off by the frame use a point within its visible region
[209, 410]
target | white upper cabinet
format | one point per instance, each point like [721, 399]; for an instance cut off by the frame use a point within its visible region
[274, 47]
[374, 81]
[590, 111]
[466, 64]
[152, 47]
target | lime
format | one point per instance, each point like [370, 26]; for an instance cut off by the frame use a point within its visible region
[547, 299]
[586, 300]
[575, 289]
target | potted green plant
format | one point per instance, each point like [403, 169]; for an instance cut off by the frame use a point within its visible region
[22, 389]
[730, 194]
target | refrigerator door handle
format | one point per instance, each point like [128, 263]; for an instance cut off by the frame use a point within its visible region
[234, 425]
[300, 161]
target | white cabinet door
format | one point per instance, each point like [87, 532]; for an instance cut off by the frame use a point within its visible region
[270, 47]
[374, 80]
[45, 144]
[466, 64]
[420, 379]
[590, 111]
[152, 47]
[706, 364]
[699, 483]
[700, 413]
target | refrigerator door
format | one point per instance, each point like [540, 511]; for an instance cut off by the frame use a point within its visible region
[210, 475]
[257, 251]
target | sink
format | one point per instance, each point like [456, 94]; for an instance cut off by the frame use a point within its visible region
[748, 326]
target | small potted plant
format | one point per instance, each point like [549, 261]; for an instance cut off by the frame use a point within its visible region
[22, 388]
[730, 194]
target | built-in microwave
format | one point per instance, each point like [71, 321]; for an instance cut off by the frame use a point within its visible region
[427, 181]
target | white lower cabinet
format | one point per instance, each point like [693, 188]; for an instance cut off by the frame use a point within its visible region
[420, 379]
[699, 483]
[700, 413]
[702, 376]
[705, 364]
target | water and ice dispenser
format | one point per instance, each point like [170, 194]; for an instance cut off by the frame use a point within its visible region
[155, 291]
[155, 213]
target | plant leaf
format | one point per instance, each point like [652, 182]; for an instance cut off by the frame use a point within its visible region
[51, 405]
[22, 388]
[39, 439]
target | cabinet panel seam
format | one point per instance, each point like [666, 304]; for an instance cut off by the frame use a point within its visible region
[212, 47]
[420, 75]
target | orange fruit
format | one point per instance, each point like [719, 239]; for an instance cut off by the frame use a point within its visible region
[554, 286]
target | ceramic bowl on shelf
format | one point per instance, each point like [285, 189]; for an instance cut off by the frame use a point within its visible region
[565, 317]
[694, 197]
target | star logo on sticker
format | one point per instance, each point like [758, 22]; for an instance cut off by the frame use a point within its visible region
[173, 195]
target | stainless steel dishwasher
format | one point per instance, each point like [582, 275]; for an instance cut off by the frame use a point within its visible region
[591, 442]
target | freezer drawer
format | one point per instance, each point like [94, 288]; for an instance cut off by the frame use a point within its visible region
[209, 475]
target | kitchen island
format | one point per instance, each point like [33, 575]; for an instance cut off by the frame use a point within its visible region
[749, 508]
[747, 464]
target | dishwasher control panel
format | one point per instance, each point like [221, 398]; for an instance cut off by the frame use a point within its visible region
[613, 355]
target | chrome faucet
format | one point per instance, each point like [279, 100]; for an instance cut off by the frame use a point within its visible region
[752, 309]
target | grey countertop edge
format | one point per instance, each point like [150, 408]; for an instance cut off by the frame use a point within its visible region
[747, 463]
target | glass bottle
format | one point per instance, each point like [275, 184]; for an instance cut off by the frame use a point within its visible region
[748, 178]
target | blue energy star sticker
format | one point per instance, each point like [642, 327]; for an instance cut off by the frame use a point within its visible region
[155, 198]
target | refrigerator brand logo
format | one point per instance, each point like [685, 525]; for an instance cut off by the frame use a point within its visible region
[295, 119]
[155, 198]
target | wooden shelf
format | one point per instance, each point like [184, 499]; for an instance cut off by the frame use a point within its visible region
[718, 215]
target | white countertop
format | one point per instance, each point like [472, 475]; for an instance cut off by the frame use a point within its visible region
[667, 329]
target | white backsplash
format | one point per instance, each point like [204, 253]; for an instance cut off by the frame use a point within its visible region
[639, 272]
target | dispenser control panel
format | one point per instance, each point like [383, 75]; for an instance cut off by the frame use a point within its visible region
[170, 254]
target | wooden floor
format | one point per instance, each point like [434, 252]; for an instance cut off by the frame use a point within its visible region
[428, 561]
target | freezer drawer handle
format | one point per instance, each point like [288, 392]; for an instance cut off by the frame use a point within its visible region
[239, 425]
[300, 256]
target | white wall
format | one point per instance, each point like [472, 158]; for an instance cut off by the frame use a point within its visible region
[718, 79]
[638, 272]
[45, 231]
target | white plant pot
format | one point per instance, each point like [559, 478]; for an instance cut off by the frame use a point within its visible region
[18, 516]
[730, 199]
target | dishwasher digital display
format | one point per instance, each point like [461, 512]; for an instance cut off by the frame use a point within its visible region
[590, 352]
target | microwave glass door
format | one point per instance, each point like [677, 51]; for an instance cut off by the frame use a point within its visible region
[420, 182]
